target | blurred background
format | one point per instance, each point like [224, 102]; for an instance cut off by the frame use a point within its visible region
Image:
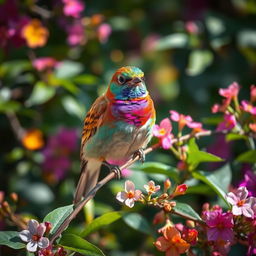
[58, 56]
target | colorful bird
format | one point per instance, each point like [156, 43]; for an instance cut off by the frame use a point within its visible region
[117, 127]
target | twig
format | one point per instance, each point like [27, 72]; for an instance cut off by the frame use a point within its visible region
[15, 124]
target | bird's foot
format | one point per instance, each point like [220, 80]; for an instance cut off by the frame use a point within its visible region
[140, 153]
[114, 168]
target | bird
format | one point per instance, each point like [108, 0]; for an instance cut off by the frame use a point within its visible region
[117, 127]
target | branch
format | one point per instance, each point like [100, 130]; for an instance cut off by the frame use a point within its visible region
[112, 175]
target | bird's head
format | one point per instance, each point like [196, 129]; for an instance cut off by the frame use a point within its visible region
[127, 83]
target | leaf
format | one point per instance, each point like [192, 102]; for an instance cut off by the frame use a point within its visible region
[72, 106]
[177, 40]
[9, 106]
[100, 222]
[67, 69]
[11, 239]
[57, 216]
[247, 157]
[234, 136]
[137, 222]
[186, 211]
[195, 156]
[159, 168]
[78, 244]
[218, 180]
[86, 79]
[200, 189]
[41, 93]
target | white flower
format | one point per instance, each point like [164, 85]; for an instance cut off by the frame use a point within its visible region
[34, 236]
[130, 195]
[151, 188]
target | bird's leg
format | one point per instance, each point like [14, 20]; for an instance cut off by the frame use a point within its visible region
[113, 168]
[140, 153]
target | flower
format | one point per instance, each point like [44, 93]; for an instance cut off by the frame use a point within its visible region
[196, 126]
[163, 132]
[221, 108]
[46, 251]
[249, 182]
[228, 124]
[219, 225]
[253, 93]
[241, 205]
[151, 188]
[180, 190]
[35, 33]
[33, 139]
[180, 118]
[76, 34]
[130, 195]
[230, 92]
[247, 107]
[44, 63]
[73, 8]
[171, 242]
[104, 31]
[191, 27]
[252, 127]
[34, 236]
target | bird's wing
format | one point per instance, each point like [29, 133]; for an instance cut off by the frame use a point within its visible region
[93, 119]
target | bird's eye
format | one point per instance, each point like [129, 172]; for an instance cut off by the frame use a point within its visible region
[121, 79]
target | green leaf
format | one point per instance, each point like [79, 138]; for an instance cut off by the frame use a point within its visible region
[137, 222]
[159, 168]
[195, 156]
[218, 180]
[200, 189]
[100, 222]
[186, 211]
[68, 69]
[78, 244]
[86, 79]
[9, 106]
[11, 239]
[57, 216]
[247, 157]
[72, 106]
[41, 93]
[177, 40]
[234, 136]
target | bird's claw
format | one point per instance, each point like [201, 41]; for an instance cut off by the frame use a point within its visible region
[140, 153]
[114, 168]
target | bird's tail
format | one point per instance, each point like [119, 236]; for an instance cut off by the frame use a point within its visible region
[90, 170]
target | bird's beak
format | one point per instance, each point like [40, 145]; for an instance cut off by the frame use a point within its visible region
[136, 81]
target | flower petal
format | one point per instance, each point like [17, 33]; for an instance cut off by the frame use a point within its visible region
[242, 192]
[232, 198]
[129, 186]
[166, 124]
[166, 142]
[41, 229]
[156, 129]
[43, 242]
[162, 244]
[32, 226]
[236, 210]
[25, 235]
[137, 195]
[129, 202]
[175, 116]
[212, 234]
[121, 196]
[32, 246]
[247, 211]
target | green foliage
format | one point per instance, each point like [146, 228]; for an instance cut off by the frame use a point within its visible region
[187, 211]
[247, 157]
[11, 239]
[78, 244]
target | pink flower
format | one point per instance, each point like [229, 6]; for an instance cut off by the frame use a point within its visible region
[151, 188]
[180, 118]
[191, 27]
[34, 236]
[249, 182]
[104, 31]
[180, 190]
[253, 93]
[228, 124]
[130, 195]
[241, 205]
[247, 107]
[76, 34]
[44, 63]
[163, 132]
[73, 8]
[219, 225]
[230, 92]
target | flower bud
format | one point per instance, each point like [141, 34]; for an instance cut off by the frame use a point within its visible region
[180, 190]
[14, 197]
[48, 226]
[190, 223]
[167, 184]
[6, 207]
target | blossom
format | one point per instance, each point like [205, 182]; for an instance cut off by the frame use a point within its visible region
[151, 188]
[253, 127]
[219, 225]
[46, 251]
[35, 33]
[104, 31]
[241, 205]
[191, 27]
[180, 190]
[33, 139]
[253, 93]
[247, 107]
[73, 8]
[76, 34]
[34, 236]
[228, 124]
[180, 118]
[196, 126]
[230, 92]
[130, 195]
[221, 108]
[163, 132]
[249, 182]
[44, 63]
[171, 242]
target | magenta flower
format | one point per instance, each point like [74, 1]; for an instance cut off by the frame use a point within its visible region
[44, 63]
[241, 205]
[180, 118]
[73, 8]
[219, 225]
[247, 107]
[163, 132]
[34, 236]
[228, 124]
[230, 92]
[104, 31]
[76, 34]
[130, 195]
[249, 182]
[151, 188]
